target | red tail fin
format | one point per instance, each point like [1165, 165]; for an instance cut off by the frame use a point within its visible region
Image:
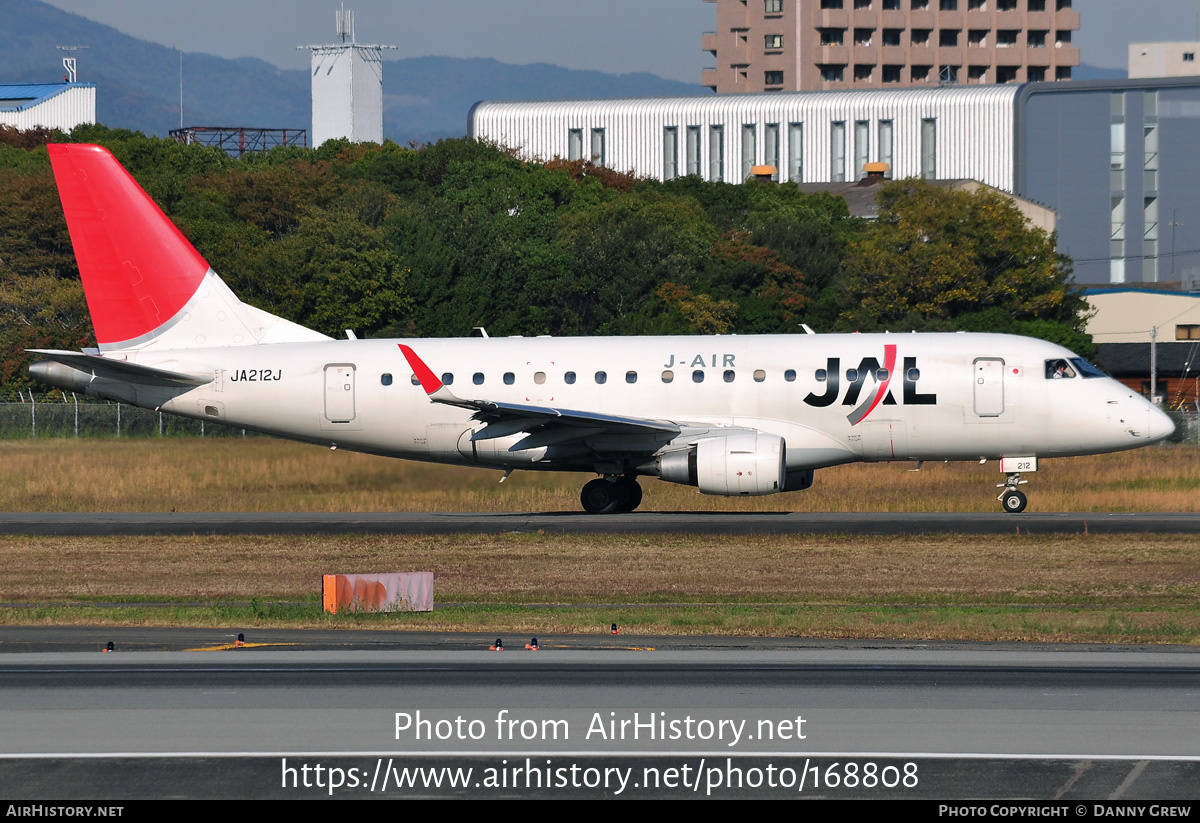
[138, 271]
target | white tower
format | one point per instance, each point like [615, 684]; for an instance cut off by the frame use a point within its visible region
[347, 87]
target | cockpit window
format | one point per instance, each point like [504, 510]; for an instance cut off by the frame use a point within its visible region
[1086, 369]
[1058, 369]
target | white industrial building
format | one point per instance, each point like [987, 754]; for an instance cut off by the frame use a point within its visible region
[1114, 159]
[60, 106]
[347, 87]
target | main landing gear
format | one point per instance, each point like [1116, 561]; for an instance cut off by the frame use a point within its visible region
[1011, 499]
[606, 495]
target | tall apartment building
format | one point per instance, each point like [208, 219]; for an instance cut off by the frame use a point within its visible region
[808, 45]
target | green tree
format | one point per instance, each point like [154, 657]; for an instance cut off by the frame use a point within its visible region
[945, 259]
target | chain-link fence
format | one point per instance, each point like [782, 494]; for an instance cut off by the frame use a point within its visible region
[68, 415]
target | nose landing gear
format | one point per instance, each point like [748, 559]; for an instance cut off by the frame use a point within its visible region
[1011, 499]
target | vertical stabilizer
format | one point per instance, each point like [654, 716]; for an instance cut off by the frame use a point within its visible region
[146, 286]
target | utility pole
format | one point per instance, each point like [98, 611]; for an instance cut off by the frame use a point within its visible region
[1154, 365]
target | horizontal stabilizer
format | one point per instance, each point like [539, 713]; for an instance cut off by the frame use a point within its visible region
[120, 370]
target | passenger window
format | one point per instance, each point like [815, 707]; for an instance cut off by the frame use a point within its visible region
[728, 375]
[852, 375]
[569, 378]
[790, 375]
[539, 377]
[668, 376]
[477, 378]
[1058, 369]
[881, 375]
[448, 379]
[914, 375]
[822, 375]
[630, 377]
[759, 375]
[385, 379]
[697, 376]
[601, 377]
[414, 380]
[509, 378]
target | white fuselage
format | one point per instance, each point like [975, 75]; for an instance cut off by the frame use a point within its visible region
[948, 396]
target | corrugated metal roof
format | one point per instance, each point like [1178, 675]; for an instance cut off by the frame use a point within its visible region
[19, 97]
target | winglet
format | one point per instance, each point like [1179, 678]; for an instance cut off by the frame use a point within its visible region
[429, 381]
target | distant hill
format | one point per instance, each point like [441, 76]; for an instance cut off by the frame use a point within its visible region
[425, 98]
[1085, 72]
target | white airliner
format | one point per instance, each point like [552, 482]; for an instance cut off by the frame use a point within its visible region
[729, 414]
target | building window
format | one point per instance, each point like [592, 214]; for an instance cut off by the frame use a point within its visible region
[832, 37]
[1189, 57]
[917, 5]
[1036, 39]
[976, 5]
[575, 144]
[862, 73]
[831, 4]
[796, 152]
[920, 37]
[891, 74]
[716, 154]
[1062, 4]
[1062, 37]
[774, 42]
[948, 38]
[948, 5]
[1036, 5]
[862, 147]
[977, 74]
[891, 37]
[832, 74]
[1006, 38]
[885, 146]
[1035, 74]
[597, 155]
[771, 145]
[1006, 5]
[1150, 156]
[919, 74]
[773, 78]
[837, 152]
[1117, 146]
[977, 38]
[693, 150]
[891, 5]
[929, 148]
[670, 153]
[1062, 73]
[862, 4]
[1188, 331]
[862, 37]
[773, 7]
[749, 149]
[1006, 74]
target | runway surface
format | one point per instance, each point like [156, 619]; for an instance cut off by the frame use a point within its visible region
[942, 723]
[866, 523]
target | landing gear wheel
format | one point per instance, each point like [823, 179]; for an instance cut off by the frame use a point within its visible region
[1013, 501]
[600, 496]
[630, 492]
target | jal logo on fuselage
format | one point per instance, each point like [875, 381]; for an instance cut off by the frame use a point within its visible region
[856, 380]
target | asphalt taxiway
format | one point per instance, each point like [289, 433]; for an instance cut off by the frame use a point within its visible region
[862, 523]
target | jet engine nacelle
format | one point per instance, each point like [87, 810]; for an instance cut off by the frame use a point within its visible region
[747, 463]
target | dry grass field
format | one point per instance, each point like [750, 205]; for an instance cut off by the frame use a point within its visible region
[262, 474]
[1083, 588]
[1003, 588]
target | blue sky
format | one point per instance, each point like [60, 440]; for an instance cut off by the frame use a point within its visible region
[618, 36]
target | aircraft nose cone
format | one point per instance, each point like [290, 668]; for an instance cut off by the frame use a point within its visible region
[1160, 426]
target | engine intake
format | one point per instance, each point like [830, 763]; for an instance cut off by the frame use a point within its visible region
[748, 463]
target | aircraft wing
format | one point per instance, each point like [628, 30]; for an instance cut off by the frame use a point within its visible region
[121, 370]
[546, 425]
